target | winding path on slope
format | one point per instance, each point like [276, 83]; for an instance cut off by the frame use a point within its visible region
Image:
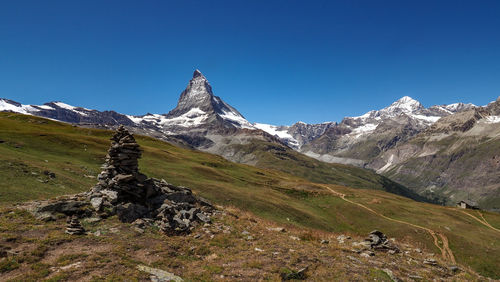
[446, 252]
[482, 221]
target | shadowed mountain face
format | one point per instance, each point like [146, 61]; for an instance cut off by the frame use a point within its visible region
[197, 102]
[457, 158]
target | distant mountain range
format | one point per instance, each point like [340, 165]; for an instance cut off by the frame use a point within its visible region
[446, 152]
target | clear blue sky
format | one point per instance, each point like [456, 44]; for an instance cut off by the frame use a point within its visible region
[275, 61]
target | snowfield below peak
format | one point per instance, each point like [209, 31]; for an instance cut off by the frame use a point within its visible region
[278, 131]
[6, 106]
[492, 119]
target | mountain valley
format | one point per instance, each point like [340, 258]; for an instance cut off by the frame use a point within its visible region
[388, 141]
[42, 159]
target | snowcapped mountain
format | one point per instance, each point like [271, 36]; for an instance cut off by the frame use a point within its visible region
[204, 121]
[67, 113]
[356, 140]
[200, 120]
[401, 140]
[455, 158]
[298, 134]
[404, 109]
[199, 97]
[197, 107]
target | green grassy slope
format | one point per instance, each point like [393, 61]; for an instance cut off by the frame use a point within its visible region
[30, 145]
[275, 156]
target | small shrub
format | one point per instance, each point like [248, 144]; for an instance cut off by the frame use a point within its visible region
[40, 270]
[222, 242]
[58, 277]
[307, 236]
[203, 251]
[69, 259]
[8, 265]
[254, 264]
[214, 269]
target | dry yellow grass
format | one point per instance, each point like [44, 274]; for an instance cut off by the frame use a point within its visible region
[222, 251]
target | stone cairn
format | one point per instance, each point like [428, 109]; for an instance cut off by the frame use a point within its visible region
[378, 241]
[120, 180]
[73, 226]
[123, 191]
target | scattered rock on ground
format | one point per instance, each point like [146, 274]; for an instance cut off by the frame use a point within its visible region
[391, 275]
[277, 229]
[49, 174]
[430, 261]
[159, 275]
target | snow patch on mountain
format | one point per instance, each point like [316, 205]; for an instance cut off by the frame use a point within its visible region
[64, 106]
[278, 131]
[236, 119]
[45, 107]
[273, 130]
[10, 106]
[136, 120]
[387, 165]
[429, 119]
[193, 117]
[364, 129]
[492, 119]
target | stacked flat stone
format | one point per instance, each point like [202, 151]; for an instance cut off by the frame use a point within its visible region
[124, 191]
[124, 153]
[73, 226]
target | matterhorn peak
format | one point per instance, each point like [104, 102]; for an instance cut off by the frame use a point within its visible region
[198, 105]
[197, 73]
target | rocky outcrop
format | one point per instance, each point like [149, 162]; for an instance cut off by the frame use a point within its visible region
[376, 241]
[123, 191]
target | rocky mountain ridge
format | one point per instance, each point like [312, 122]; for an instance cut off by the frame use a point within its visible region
[200, 120]
[301, 133]
[199, 113]
[204, 121]
[455, 158]
[357, 140]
